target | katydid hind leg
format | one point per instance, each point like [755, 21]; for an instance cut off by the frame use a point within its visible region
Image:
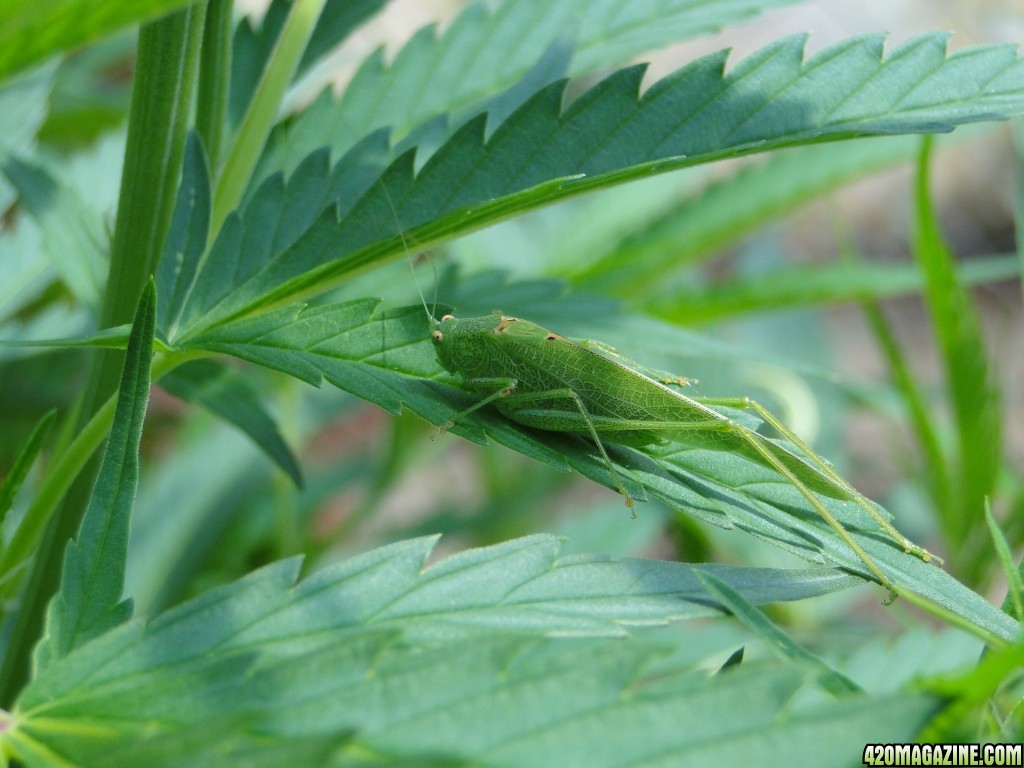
[825, 469]
[722, 434]
[767, 452]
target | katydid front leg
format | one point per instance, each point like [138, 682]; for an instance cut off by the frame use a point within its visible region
[500, 387]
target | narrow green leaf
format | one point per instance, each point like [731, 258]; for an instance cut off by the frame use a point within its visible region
[1014, 603]
[33, 31]
[800, 286]
[972, 391]
[725, 210]
[12, 483]
[252, 134]
[781, 643]
[89, 601]
[387, 359]
[254, 42]
[543, 152]
[230, 395]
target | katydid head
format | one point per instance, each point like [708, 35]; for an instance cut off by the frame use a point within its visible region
[457, 342]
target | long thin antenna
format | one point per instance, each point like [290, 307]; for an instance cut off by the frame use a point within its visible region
[408, 254]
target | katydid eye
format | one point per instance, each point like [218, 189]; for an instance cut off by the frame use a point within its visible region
[437, 336]
[447, 317]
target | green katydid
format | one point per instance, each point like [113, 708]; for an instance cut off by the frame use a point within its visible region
[545, 381]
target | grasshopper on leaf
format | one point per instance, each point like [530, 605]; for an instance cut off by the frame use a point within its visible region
[545, 381]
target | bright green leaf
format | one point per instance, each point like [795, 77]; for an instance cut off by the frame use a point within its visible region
[333, 659]
[34, 31]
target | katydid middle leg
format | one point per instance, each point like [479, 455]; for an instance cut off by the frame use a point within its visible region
[511, 400]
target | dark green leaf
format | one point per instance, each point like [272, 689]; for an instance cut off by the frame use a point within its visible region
[501, 45]
[543, 152]
[229, 394]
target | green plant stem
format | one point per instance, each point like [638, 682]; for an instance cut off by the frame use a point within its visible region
[214, 78]
[165, 75]
[262, 113]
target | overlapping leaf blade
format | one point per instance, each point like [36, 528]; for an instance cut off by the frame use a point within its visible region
[334, 657]
[543, 152]
[500, 45]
